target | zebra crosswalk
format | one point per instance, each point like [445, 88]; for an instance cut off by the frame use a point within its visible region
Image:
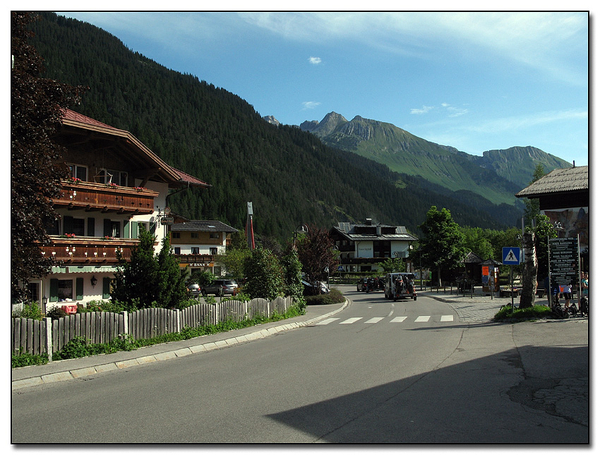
[397, 319]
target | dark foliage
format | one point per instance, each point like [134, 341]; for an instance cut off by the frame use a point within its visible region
[36, 105]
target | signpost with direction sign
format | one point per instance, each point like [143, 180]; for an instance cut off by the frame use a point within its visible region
[511, 256]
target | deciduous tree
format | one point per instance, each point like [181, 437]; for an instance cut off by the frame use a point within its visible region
[316, 253]
[442, 243]
[36, 109]
[265, 275]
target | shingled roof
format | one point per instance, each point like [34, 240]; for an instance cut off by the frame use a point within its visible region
[202, 226]
[568, 180]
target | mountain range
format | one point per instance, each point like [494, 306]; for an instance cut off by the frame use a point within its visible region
[293, 175]
[496, 176]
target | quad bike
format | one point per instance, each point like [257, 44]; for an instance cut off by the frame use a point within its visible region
[558, 312]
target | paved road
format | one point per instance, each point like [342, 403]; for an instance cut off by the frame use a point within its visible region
[369, 371]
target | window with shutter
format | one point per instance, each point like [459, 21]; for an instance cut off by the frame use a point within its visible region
[54, 290]
[106, 287]
[91, 227]
[79, 289]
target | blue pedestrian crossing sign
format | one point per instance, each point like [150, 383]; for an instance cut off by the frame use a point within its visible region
[511, 255]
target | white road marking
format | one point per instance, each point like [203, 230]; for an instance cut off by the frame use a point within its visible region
[447, 318]
[373, 320]
[326, 321]
[422, 319]
[398, 319]
[350, 321]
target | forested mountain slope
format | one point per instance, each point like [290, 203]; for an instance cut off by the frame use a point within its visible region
[291, 177]
[496, 176]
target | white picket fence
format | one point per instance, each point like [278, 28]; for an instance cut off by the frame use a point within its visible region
[49, 336]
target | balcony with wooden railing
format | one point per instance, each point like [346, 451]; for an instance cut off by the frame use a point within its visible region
[88, 250]
[103, 197]
[196, 260]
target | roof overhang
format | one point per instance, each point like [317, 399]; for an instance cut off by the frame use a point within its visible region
[79, 129]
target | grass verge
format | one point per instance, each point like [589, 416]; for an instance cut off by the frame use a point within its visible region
[506, 313]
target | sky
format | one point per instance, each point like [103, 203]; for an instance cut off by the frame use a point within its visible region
[475, 81]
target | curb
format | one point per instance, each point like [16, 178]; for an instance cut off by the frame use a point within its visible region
[77, 373]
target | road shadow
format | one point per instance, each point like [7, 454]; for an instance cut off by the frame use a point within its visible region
[486, 400]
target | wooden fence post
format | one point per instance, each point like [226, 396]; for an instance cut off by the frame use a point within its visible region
[48, 331]
[125, 323]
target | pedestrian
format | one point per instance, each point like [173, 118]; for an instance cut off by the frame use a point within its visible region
[584, 289]
[567, 294]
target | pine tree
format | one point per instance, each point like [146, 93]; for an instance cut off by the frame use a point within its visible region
[170, 278]
[136, 280]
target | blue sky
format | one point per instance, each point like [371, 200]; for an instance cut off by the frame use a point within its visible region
[476, 81]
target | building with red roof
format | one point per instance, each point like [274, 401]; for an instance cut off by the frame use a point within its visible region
[116, 185]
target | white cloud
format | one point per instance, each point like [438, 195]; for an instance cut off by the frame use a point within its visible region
[527, 121]
[454, 111]
[423, 110]
[314, 60]
[310, 104]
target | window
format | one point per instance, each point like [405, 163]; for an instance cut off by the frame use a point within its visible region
[213, 251]
[176, 235]
[194, 235]
[215, 235]
[195, 250]
[52, 227]
[73, 226]
[177, 250]
[79, 172]
[65, 290]
[111, 176]
[112, 228]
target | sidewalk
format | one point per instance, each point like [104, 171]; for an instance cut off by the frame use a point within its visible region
[64, 370]
[477, 307]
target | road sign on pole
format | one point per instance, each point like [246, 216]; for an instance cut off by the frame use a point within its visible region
[511, 255]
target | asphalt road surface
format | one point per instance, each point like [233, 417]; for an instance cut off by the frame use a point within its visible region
[377, 372]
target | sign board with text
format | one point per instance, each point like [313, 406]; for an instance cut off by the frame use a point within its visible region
[563, 261]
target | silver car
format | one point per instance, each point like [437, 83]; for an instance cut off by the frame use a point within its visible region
[221, 287]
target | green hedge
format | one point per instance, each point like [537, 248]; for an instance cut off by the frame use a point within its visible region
[334, 296]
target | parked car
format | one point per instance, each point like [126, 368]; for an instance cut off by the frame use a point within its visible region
[221, 287]
[313, 289]
[194, 289]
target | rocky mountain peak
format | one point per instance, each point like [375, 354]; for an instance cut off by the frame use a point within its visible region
[272, 120]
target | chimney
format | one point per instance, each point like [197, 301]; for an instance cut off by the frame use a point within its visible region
[369, 222]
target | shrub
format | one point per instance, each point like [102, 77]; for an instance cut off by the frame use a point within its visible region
[30, 311]
[100, 305]
[334, 296]
[23, 359]
[518, 315]
[56, 313]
